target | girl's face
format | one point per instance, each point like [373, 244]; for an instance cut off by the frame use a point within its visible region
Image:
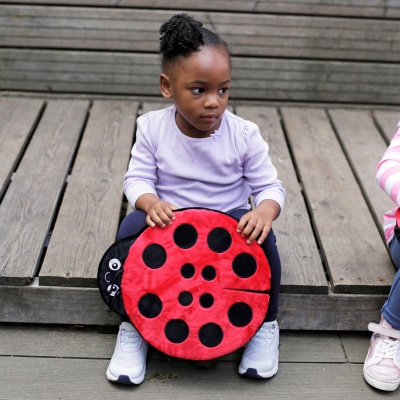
[199, 86]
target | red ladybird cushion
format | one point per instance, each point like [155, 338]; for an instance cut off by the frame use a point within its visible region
[196, 289]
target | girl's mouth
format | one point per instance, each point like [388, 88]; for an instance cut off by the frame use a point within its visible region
[209, 117]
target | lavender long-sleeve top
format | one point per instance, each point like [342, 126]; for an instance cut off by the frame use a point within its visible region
[218, 172]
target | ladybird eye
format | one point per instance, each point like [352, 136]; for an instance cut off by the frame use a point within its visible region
[114, 264]
[112, 290]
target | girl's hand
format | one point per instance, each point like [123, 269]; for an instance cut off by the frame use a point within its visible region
[160, 213]
[256, 224]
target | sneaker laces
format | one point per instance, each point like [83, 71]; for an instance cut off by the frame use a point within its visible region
[264, 335]
[388, 348]
[130, 339]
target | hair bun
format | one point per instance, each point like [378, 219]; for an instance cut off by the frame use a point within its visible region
[180, 35]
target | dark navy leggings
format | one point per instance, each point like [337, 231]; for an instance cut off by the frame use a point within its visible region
[135, 222]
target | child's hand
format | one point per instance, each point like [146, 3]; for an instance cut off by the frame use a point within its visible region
[160, 213]
[256, 224]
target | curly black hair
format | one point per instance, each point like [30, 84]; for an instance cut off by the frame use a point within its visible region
[181, 35]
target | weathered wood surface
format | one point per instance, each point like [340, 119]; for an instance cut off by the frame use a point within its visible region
[49, 359]
[301, 262]
[68, 349]
[84, 306]
[263, 35]
[86, 151]
[30, 203]
[354, 8]
[298, 51]
[15, 133]
[364, 148]
[355, 255]
[387, 122]
[86, 342]
[253, 78]
[94, 192]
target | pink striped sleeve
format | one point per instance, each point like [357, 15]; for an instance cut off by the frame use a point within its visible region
[388, 178]
[388, 170]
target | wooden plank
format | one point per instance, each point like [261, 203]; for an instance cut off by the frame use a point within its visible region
[251, 35]
[89, 216]
[18, 118]
[364, 147]
[30, 203]
[367, 8]
[55, 305]
[84, 306]
[332, 312]
[387, 122]
[302, 270]
[71, 379]
[355, 255]
[86, 342]
[356, 344]
[55, 341]
[254, 78]
[310, 346]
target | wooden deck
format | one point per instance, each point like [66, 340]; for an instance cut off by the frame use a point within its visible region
[321, 79]
[47, 363]
[63, 162]
[291, 50]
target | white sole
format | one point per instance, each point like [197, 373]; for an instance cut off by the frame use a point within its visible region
[124, 379]
[253, 372]
[381, 385]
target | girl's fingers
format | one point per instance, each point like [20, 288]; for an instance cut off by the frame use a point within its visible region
[161, 217]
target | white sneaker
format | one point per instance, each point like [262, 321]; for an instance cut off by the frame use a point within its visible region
[128, 363]
[382, 365]
[260, 357]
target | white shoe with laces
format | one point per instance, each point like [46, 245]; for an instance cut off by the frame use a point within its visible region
[382, 365]
[128, 363]
[260, 357]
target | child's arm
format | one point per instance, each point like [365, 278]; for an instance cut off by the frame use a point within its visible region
[159, 212]
[256, 224]
[388, 170]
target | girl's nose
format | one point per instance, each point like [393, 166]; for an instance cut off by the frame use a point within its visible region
[211, 101]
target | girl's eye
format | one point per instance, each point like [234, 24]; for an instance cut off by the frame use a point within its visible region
[198, 91]
[223, 91]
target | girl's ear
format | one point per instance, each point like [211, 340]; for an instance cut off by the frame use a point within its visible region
[165, 86]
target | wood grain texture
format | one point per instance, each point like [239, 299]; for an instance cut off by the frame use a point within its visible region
[71, 379]
[54, 305]
[86, 342]
[355, 8]
[253, 78]
[84, 306]
[356, 345]
[302, 270]
[356, 257]
[89, 217]
[30, 203]
[387, 122]
[18, 119]
[263, 35]
[364, 147]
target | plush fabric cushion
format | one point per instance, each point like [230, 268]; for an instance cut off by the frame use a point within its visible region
[196, 289]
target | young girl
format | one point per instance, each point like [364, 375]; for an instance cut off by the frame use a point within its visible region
[382, 365]
[197, 154]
